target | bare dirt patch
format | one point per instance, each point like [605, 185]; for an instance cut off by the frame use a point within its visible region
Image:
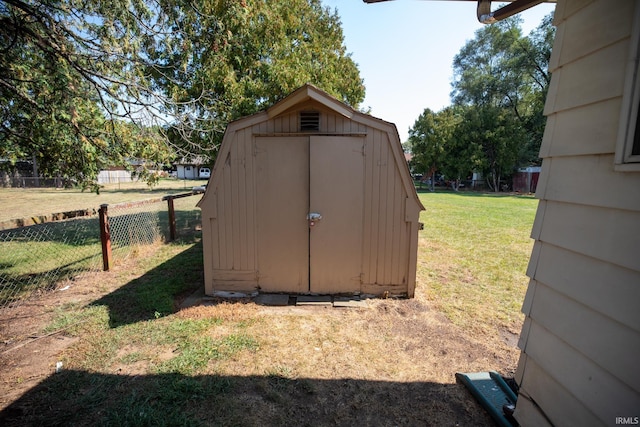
[391, 363]
[28, 352]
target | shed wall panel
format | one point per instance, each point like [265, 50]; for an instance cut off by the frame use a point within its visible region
[386, 260]
[331, 125]
[230, 224]
[386, 230]
[372, 214]
[235, 175]
[398, 222]
[224, 220]
[231, 219]
[241, 196]
[383, 211]
[368, 250]
[248, 213]
[392, 226]
[215, 238]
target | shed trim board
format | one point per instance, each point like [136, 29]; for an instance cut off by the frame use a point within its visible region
[269, 175]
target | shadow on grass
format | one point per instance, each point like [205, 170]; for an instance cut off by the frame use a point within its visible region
[16, 287]
[154, 294]
[84, 398]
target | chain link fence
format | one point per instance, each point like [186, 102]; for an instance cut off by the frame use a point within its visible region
[135, 224]
[37, 258]
[43, 257]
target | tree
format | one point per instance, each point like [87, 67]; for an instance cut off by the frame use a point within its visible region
[66, 83]
[74, 75]
[430, 140]
[501, 68]
[536, 50]
[243, 56]
[490, 136]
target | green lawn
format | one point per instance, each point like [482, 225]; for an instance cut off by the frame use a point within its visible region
[41, 256]
[473, 254]
[140, 360]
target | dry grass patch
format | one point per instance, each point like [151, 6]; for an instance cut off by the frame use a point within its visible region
[142, 361]
[26, 202]
[223, 310]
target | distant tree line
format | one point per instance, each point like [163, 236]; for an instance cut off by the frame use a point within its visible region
[89, 84]
[495, 123]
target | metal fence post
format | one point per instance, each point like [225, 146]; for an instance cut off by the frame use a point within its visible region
[105, 237]
[172, 219]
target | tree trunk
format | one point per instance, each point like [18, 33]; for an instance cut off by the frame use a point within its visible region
[35, 171]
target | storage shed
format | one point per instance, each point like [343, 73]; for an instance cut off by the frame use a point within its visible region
[310, 196]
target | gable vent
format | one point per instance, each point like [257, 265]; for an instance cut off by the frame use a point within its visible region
[309, 121]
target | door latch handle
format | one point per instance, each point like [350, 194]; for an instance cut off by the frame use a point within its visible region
[314, 216]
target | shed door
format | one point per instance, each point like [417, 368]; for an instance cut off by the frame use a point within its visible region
[337, 193]
[282, 196]
[296, 176]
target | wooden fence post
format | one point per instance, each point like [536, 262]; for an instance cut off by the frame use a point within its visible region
[172, 219]
[105, 237]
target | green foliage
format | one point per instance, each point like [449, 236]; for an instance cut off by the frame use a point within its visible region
[496, 123]
[487, 138]
[431, 140]
[501, 68]
[59, 76]
[85, 85]
[243, 56]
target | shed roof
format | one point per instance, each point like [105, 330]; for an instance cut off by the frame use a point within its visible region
[193, 160]
[306, 93]
[303, 95]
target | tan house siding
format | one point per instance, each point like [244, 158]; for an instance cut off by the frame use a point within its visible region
[241, 249]
[581, 336]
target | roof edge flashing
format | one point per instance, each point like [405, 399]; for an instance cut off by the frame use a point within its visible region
[485, 16]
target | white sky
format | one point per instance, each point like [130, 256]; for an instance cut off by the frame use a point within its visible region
[405, 48]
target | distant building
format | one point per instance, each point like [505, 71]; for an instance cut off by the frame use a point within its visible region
[189, 167]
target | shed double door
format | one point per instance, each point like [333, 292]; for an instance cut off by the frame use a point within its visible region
[297, 176]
